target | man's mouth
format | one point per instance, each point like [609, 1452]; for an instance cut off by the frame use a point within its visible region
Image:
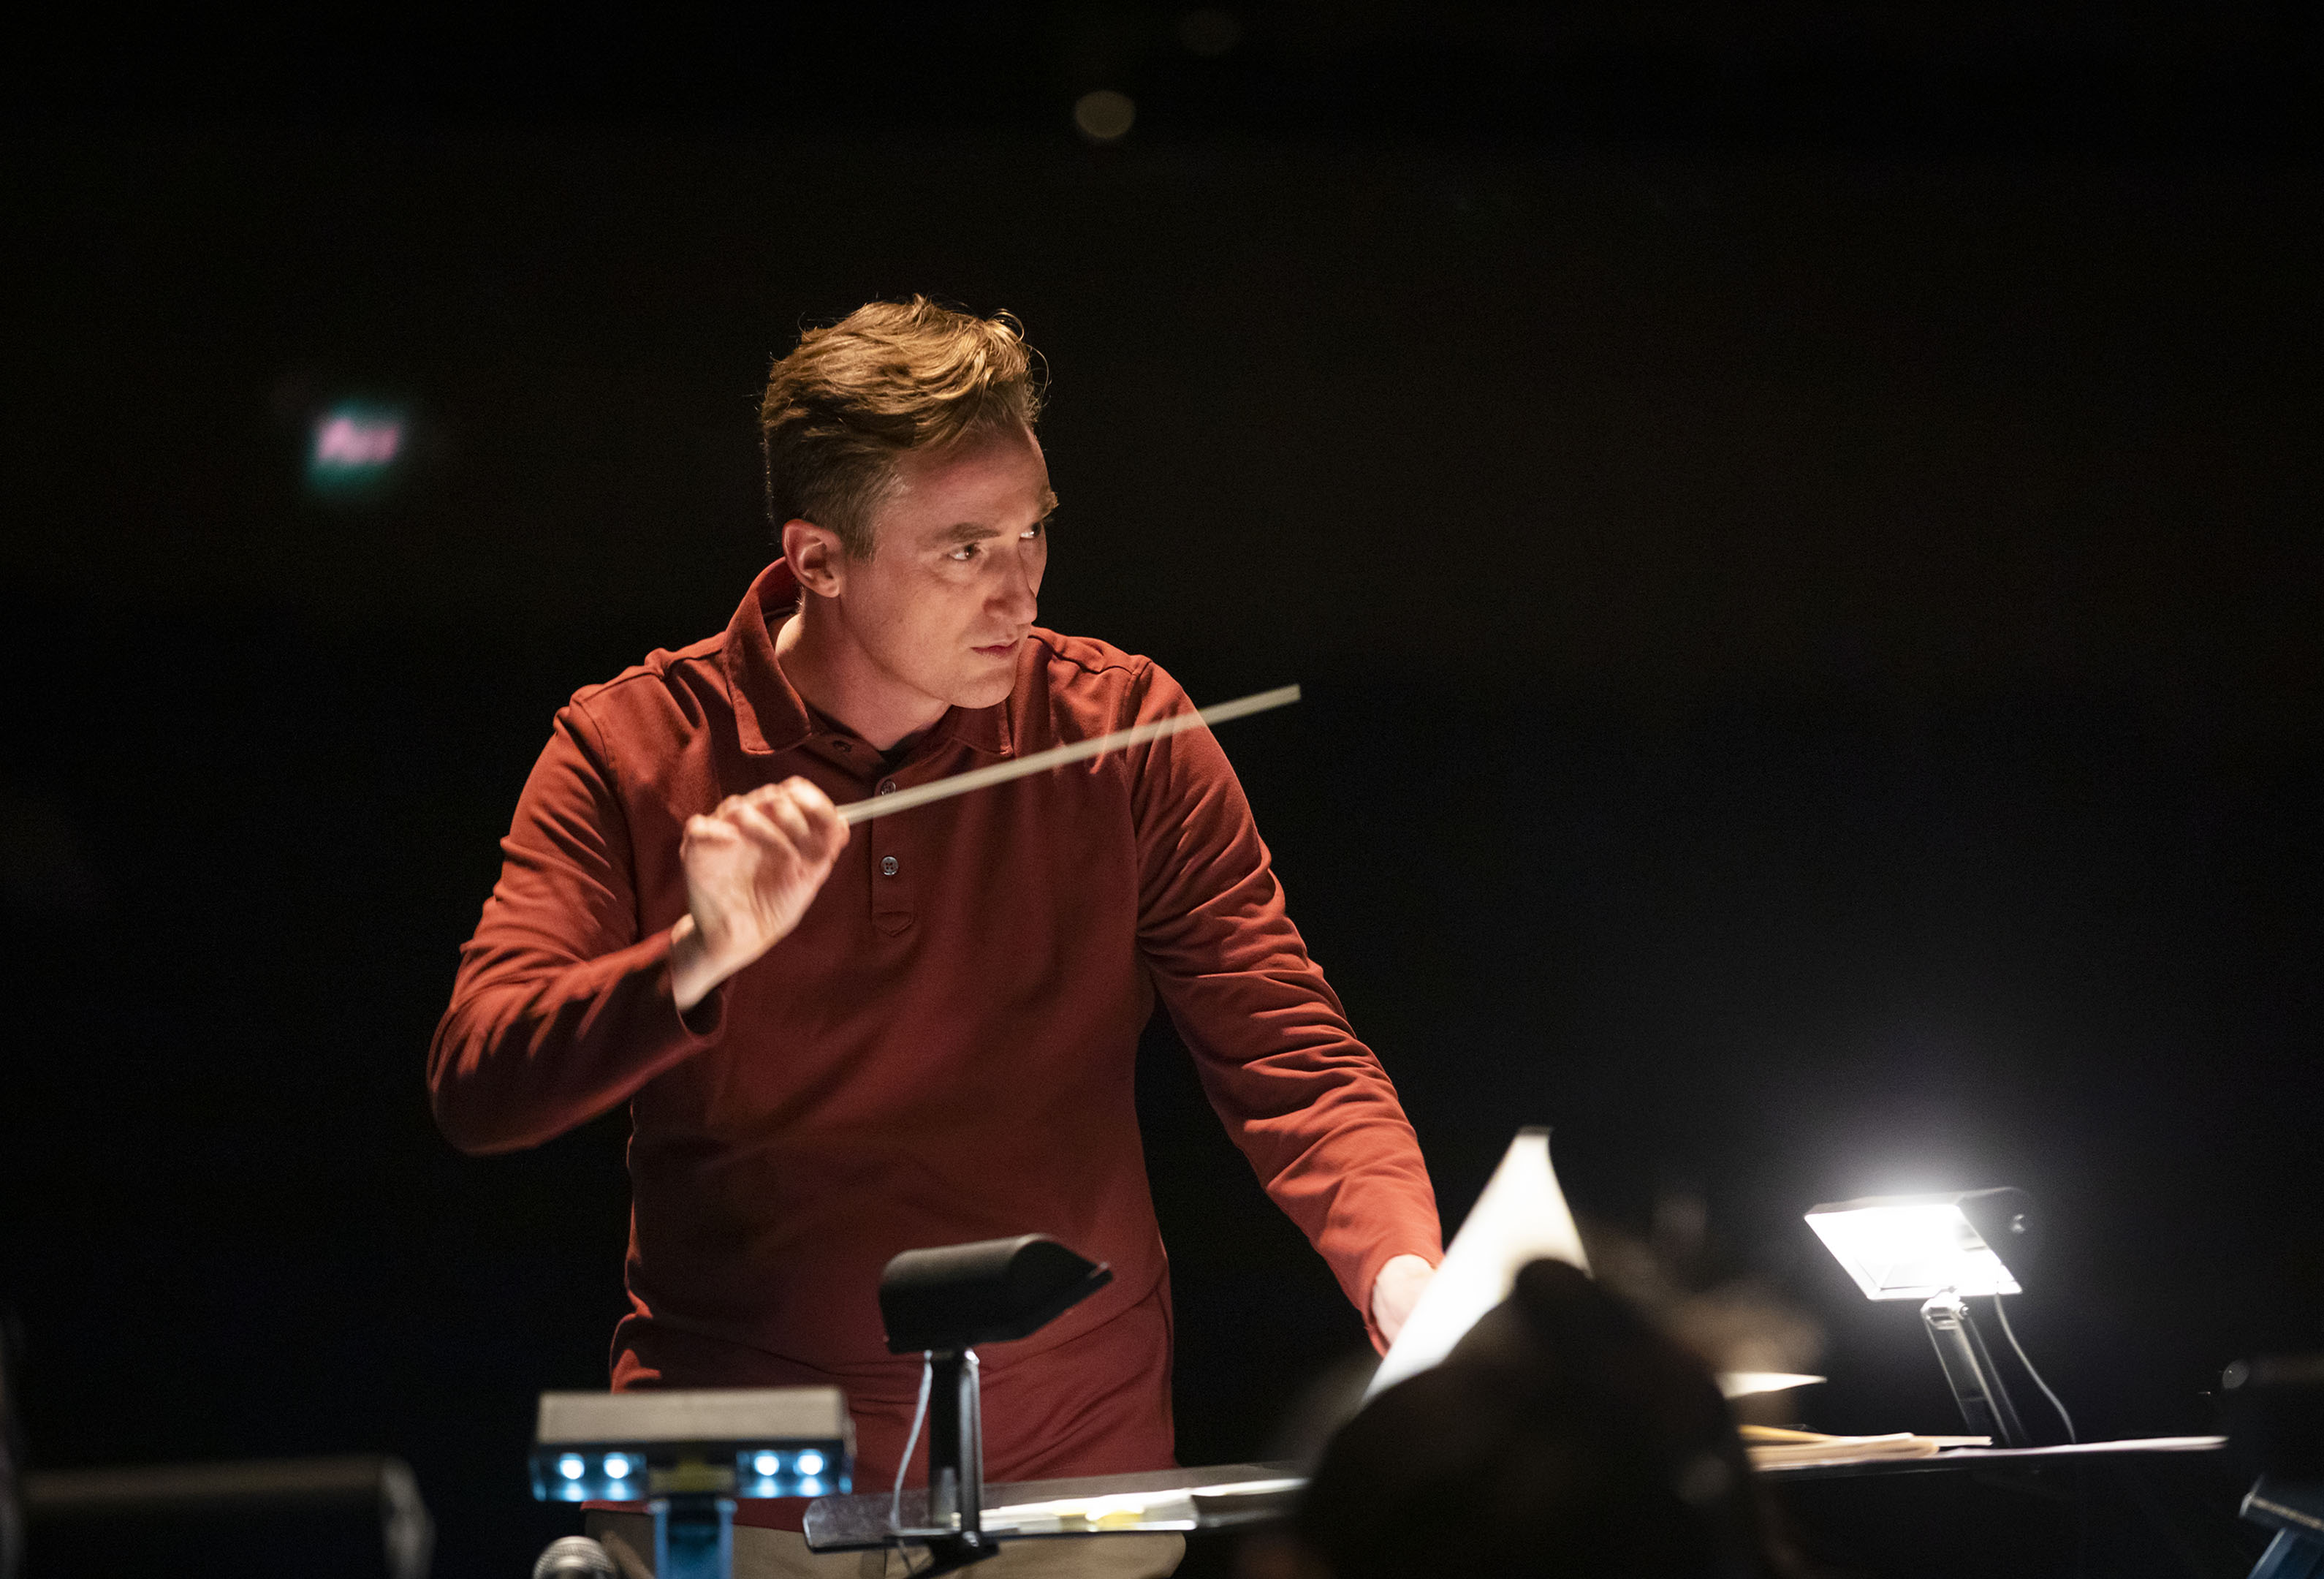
[999, 648]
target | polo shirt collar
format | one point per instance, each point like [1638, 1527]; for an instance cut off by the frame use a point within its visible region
[770, 715]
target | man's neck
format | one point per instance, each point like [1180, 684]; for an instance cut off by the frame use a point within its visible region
[836, 677]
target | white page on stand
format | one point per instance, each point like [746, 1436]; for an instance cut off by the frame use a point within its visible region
[1521, 1217]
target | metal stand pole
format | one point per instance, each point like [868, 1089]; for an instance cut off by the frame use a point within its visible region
[1985, 1402]
[693, 1536]
[955, 1463]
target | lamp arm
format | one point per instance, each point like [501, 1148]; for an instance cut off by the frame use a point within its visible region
[1985, 1402]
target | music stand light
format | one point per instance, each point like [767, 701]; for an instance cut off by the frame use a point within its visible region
[1941, 1250]
[692, 1452]
[941, 1303]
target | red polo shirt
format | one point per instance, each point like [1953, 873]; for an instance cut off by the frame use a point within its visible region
[943, 1050]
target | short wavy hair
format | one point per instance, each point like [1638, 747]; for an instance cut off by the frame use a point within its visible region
[890, 377]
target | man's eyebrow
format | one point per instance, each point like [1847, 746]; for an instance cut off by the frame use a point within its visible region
[977, 532]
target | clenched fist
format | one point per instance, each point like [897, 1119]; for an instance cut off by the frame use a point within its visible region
[753, 866]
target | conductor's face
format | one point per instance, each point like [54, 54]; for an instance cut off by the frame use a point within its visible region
[951, 587]
[935, 616]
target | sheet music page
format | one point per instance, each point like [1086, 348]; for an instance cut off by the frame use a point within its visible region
[1522, 1216]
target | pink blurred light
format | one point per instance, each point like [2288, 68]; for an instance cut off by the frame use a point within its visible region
[353, 441]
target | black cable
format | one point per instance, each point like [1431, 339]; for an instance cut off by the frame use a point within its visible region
[2002, 1312]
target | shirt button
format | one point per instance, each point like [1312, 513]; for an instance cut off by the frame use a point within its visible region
[887, 866]
[887, 785]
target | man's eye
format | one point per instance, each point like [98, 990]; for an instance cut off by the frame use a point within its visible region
[963, 554]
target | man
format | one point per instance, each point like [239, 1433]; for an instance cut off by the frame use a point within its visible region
[835, 1047]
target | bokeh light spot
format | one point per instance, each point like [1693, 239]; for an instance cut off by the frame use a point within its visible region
[353, 448]
[1106, 115]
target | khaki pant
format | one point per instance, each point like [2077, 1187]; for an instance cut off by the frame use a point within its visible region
[782, 1553]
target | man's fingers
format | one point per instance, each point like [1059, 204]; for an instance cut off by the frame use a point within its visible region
[793, 815]
[702, 830]
[808, 797]
[784, 811]
[761, 826]
[783, 835]
[806, 813]
[822, 815]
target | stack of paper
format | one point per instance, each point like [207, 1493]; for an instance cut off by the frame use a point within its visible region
[1772, 1447]
[1140, 1510]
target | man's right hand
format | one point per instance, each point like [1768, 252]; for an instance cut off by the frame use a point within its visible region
[753, 866]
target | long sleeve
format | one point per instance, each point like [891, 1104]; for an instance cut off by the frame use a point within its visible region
[1305, 1100]
[560, 1010]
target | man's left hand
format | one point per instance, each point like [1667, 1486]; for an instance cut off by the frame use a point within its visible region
[1397, 1290]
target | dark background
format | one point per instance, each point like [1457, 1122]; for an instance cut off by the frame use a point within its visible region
[1799, 527]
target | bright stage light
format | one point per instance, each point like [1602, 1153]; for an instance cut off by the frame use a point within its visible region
[1914, 1247]
[617, 1468]
[572, 1467]
[1941, 1250]
[810, 1464]
[767, 1464]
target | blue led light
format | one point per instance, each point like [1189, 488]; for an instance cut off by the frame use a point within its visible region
[810, 1464]
[767, 1464]
[810, 1487]
[572, 1467]
[617, 1467]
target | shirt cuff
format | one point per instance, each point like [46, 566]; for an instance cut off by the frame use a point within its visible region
[702, 1023]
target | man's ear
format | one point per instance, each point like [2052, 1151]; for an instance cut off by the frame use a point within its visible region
[815, 557]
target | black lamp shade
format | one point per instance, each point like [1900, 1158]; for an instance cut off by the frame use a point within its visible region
[958, 1295]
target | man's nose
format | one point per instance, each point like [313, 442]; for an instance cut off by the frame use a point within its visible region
[1018, 597]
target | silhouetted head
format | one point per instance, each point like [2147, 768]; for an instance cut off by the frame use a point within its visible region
[1562, 1437]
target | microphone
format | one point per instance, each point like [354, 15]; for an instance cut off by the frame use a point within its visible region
[575, 1556]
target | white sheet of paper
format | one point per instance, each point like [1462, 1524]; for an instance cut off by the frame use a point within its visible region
[1735, 1384]
[1521, 1217]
